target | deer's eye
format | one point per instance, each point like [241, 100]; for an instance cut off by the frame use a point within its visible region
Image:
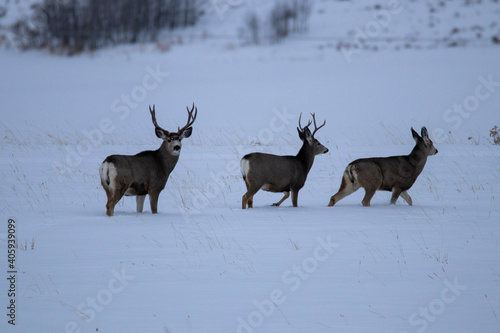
[169, 140]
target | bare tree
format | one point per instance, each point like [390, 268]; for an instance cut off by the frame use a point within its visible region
[75, 25]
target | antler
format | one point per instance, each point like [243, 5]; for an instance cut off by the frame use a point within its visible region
[316, 128]
[153, 116]
[300, 127]
[191, 118]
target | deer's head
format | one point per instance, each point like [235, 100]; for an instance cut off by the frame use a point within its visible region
[173, 140]
[423, 142]
[308, 138]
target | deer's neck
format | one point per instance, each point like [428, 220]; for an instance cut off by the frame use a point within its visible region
[169, 161]
[306, 157]
[417, 159]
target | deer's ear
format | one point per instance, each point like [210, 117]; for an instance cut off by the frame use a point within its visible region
[415, 135]
[159, 133]
[305, 134]
[424, 133]
[187, 132]
[425, 136]
[301, 135]
[308, 135]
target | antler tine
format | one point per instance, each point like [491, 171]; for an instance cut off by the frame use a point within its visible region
[300, 127]
[153, 117]
[191, 118]
[316, 128]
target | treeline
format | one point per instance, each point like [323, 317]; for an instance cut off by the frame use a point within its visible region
[286, 18]
[77, 25]
[289, 17]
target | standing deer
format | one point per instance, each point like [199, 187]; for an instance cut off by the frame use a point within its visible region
[146, 172]
[281, 173]
[396, 173]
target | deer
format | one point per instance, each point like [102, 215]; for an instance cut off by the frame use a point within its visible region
[396, 174]
[148, 171]
[281, 174]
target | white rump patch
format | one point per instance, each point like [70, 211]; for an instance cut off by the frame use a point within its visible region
[244, 167]
[108, 174]
[352, 175]
[103, 172]
[112, 173]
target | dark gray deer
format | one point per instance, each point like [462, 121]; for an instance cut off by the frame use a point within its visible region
[396, 174]
[281, 173]
[146, 172]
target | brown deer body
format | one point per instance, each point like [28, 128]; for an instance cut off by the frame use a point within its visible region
[283, 174]
[146, 172]
[396, 173]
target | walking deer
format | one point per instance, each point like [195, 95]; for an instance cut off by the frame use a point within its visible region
[396, 173]
[274, 173]
[146, 172]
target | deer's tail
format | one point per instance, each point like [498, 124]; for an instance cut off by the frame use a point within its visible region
[350, 172]
[107, 172]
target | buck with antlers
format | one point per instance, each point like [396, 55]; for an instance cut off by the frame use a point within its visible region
[281, 173]
[146, 172]
[396, 173]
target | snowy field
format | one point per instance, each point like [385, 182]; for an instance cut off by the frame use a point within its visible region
[205, 265]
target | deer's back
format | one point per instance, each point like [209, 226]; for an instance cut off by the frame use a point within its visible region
[275, 173]
[140, 171]
[389, 171]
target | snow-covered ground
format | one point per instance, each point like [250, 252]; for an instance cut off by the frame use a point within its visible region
[205, 265]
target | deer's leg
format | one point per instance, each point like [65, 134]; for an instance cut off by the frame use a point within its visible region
[395, 195]
[109, 192]
[250, 202]
[369, 193]
[295, 197]
[140, 202]
[244, 201]
[346, 188]
[109, 195]
[153, 200]
[247, 198]
[407, 198]
[110, 208]
[114, 199]
[286, 196]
